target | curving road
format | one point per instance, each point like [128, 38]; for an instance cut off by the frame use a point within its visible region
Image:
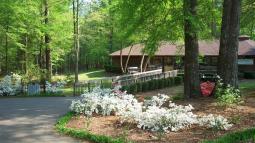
[31, 120]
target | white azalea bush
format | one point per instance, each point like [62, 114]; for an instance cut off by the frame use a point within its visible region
[157, 114]
[54, 87]
[10, 85]
[215, 122]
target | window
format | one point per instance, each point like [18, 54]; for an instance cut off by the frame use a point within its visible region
[245, 62]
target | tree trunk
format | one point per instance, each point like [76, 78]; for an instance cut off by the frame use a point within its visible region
[141, 65]
[77, 44]
[121, 61]
[213, 22]
[229, 42]
[47, 43]
[191, 66]
[125, 70]
[25, 54]
[6, 50]
[146, 63]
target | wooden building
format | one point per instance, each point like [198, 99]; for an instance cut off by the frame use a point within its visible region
[168, 54]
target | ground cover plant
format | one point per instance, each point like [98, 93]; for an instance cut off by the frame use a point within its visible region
[227, 95]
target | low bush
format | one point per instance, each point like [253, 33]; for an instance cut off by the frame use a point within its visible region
[178, 80]
[152, 114]
[133, 88]
[145, 86]
[227, 95]
[249, 75]
[152, 85]
[10, 85]
[112, 69]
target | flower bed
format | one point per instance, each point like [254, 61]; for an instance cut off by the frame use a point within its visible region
[113, 125]
[157, 114]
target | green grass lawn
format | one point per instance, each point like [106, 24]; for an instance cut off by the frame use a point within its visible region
[84, 76]
[88, 75]
[247, 85]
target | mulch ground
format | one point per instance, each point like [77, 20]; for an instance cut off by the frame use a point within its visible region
[242, 116]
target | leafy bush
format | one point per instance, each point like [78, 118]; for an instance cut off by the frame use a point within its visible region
[112, 69]
[139, 87]
[148, 115]
[133, 88]
[69, 79]
[226, 95]
[177, 80]
[177, 97]
[249, 75]
[145, 86]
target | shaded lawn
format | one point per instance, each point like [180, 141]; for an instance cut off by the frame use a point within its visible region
[247, 85]
[88, 75]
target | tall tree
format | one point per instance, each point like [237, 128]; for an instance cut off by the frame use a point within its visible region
[229, 42]
[76, 6]
[191, 66]
[47, 42]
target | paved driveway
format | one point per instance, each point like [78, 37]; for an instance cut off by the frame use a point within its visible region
[31, 120]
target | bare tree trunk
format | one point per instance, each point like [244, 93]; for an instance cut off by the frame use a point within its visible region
[229, 42]
[6, 50]
[141, 65]
[25, 54]
[146, 63]
[191, 66]
[121, 62]
[47, 43]
[125, 70]
[41, 55]
[77, 44]
[213, 22]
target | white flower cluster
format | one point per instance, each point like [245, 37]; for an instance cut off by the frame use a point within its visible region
[158, 114]
[216, 122]
[10, 85]
[54, 88]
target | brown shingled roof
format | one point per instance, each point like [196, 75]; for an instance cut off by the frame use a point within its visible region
[207, 48]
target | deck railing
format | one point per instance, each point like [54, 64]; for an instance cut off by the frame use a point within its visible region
[109, 82]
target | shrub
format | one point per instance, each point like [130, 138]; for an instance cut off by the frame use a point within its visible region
[249, 75]
[150, 115]
[226, 95]
[177, 80]
[166, 82]
[133, 88]
[177, 97]
[161, 83]
[138, 87]
[10, 85]
[152, 84]
[112, 69]
[54, 87]
[125, 88]
[145, 86]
